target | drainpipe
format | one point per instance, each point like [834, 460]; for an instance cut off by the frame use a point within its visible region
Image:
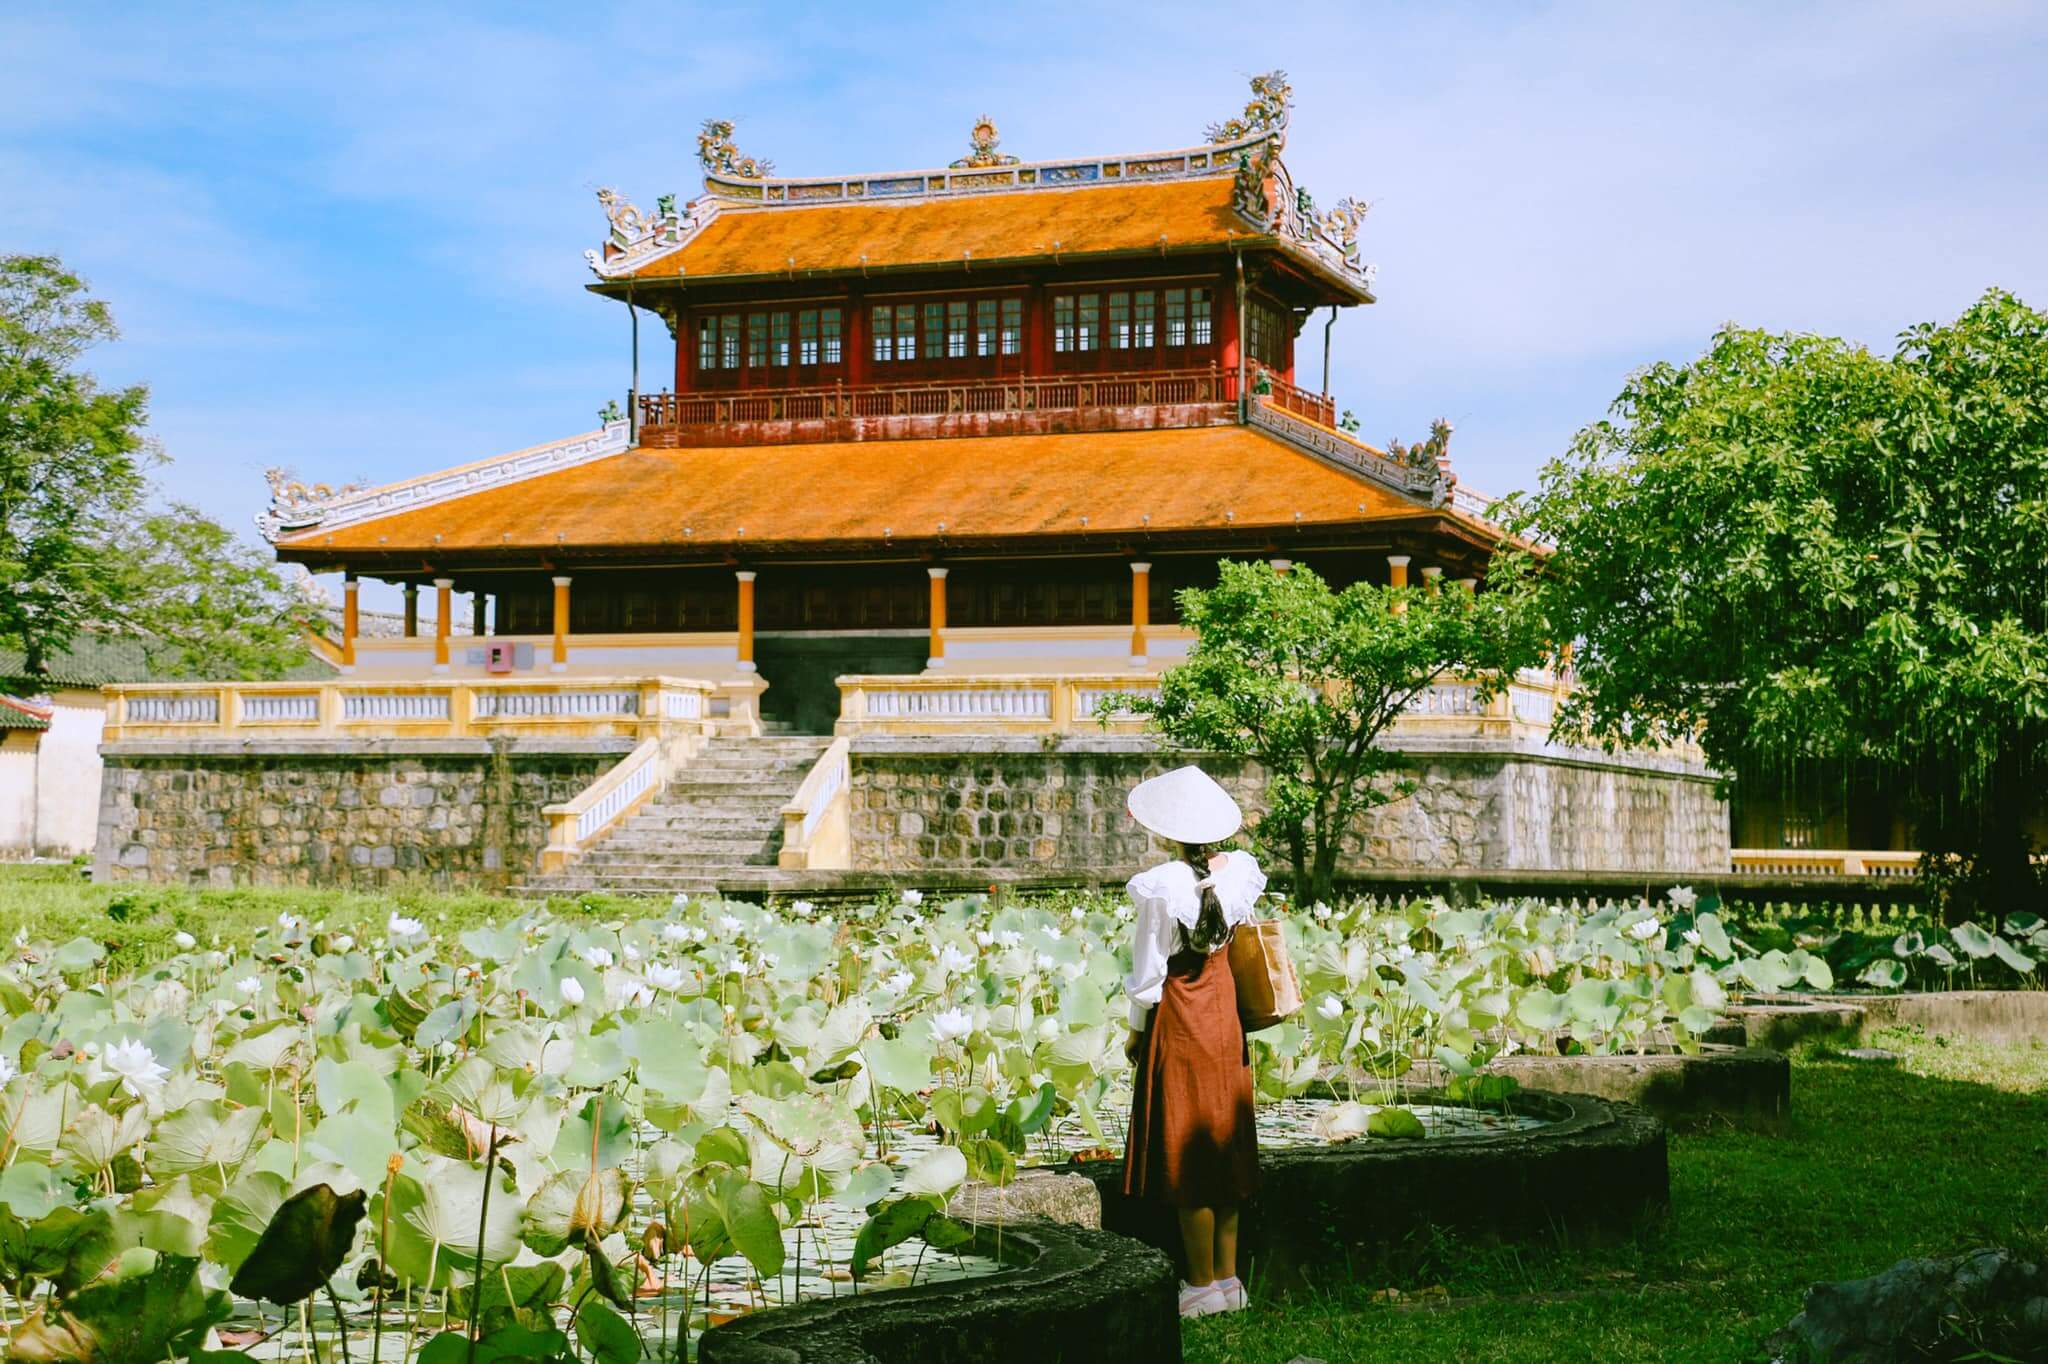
[633, 394]
[1243, 386]
[1326, 349]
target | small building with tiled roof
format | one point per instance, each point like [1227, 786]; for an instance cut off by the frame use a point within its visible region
[984, 419]
[50, 726]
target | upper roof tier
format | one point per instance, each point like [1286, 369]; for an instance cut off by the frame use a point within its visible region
[1232, 193]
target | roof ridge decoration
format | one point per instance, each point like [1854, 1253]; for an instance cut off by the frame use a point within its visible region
[1423, 471]
[295, 508]
[1247, 146]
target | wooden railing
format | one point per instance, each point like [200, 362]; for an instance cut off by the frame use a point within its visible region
[1822, 862]
[1270, 387]
[966, 397]
[365, 708]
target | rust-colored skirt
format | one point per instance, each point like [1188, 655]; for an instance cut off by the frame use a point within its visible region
[1193, 1141]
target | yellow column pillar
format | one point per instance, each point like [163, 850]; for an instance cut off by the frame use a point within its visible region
[560, 662]
[1141, 610]
[1397, 576]
[350, 620]
[746, 653]
[444, 609]
[412, 610]
[1432, 580]
[938, 654]
[1471, 585]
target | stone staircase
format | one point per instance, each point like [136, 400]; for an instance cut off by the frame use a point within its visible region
[723, 814]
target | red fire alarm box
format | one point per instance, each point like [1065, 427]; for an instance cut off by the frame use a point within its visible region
[498, 659]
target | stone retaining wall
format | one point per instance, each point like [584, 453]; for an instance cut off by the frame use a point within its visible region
[450, 813]
[931, 804]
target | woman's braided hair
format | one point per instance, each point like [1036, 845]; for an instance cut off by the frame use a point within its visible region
[1210, 931]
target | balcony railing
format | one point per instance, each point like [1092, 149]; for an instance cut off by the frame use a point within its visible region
[663, 416]
[1317, 407]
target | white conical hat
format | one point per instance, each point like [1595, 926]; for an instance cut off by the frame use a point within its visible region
[1185, 805]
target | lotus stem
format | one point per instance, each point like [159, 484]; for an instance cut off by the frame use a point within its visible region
[340, 1322]
[483, 1217]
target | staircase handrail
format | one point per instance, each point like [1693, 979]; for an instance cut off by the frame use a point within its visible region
[633, 780]
[816, 830]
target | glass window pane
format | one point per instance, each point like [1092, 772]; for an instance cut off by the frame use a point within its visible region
[829, 323]
[778, 338]
[1087, 333]
[1176, 317]
[883, 332]
[934, 331]
[807, 337]
[1141, 319]
[1198, 305]
[707, 343]
[956, 330]
[1120, 321]
[729, 340]
[1063, 322]
[757, 339]
[906, 331]
[1013, 326]
[984, 326]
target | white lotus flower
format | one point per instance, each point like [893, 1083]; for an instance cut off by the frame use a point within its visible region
[1043, 961]
[1682, 897]
[913, 898]
[1691, 936]
[185, 941]
[1049, 1029]
[1073, 970]
[665, 977]
[680, 902]
[248, 985]
[1371, 1035]
[1322, 911]
[640, 996]
[403, 929]
[899, 982]
[952, 1025]
[802, 909]
[985, 938]
[728, 925]
[572, 990]
[599, 957]
[632, 952]
[290, 923]
[1053, 931]
[1009, 937]
[1403, 952]
[137, 1066]
[766, 961]
[1645, 929]
[952, 959]
[1077, 914]
[343, 942]
[7, 1070]
[1331, 1008]
[675, 932]
[1124, 914]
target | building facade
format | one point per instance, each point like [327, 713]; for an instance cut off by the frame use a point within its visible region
[922, 457]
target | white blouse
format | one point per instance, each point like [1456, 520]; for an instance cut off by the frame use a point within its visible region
[1168, 898]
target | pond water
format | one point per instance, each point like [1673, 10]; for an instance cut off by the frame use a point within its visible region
[816, 1250]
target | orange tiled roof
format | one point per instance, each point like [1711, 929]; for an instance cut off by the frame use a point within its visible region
[885, 235]
[984, 487]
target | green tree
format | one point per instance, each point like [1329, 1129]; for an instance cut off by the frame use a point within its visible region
[70, 459]
[204, 602]
[1306, 681]
[1796, 549]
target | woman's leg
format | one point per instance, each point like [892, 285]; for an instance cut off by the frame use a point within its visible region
[1224, 1259]
[1198, 1238]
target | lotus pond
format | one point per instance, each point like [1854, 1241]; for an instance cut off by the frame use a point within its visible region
[620, 1132]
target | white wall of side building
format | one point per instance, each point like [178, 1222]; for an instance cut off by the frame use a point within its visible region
[50, 779]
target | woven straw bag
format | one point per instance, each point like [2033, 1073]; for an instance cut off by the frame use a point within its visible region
[1267, 988]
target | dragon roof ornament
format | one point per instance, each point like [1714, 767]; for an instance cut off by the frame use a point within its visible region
[1246, 146]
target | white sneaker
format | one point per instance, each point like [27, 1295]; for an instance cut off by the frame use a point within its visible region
[1200, 1302]
[1231, 1293]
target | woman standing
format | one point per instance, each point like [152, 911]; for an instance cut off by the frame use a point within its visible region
[1192, 1140]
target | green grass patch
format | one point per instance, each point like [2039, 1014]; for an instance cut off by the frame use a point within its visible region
[1938, 1153]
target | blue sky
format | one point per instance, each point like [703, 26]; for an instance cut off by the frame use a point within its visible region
[348, 240]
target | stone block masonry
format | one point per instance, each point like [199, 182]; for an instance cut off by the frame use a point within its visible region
[450, 813]
[1024, 804]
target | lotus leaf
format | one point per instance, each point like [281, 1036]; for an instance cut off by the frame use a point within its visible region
[150, 1312]
[435, 1217]
[307, 1239]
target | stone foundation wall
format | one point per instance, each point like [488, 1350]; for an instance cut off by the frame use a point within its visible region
[919, 804]
[461, 813]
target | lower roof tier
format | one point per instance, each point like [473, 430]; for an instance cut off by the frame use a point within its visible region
[1223, 485]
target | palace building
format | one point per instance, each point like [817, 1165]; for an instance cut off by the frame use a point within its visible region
[917, 458]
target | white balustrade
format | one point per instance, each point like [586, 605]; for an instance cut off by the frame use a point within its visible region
[1088, 700]
[394, 705]
[175, 708]
[962, 703]
[682, 705]
[517, 705]
[272, 708]
[633, 779]
[1447, 698]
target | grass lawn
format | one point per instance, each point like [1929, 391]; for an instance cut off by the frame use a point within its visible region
[1944, 1151]
[1941, 1152]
